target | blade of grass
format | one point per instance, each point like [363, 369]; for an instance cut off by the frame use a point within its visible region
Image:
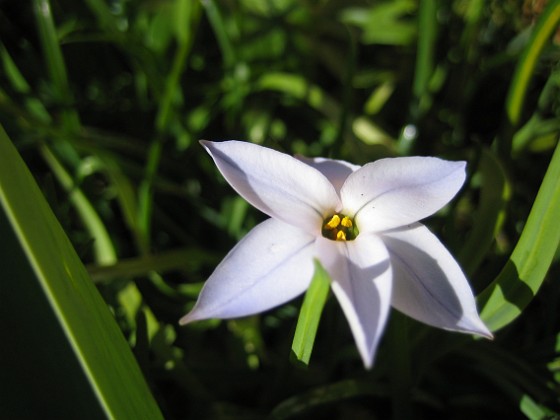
[55, 63]
[541, 124]
[299, 405]
[103, 246]
[545, 26]
[19, 84]
[188, 17]
[494, 194]
[190, 13]
[348, 93]
[310, 315]
[107, 20]
[295, 85]
[427, 34]
[384, 22]
[518, 282]
[191, 257]
[222, 36]
[48, 269]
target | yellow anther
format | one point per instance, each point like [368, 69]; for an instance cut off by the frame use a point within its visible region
[333, 223]
[339, 227]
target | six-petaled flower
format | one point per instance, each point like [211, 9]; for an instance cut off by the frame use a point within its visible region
[361, 223]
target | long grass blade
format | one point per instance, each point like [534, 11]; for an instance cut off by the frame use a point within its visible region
[310, 315]
[45, 267]
[545, 26]
[519, 281]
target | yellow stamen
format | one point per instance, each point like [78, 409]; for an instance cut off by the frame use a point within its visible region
[339, 227]
[333, 223]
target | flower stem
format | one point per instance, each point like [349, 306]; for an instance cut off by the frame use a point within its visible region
[400, 368]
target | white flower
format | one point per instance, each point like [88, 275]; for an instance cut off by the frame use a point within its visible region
[359, 222]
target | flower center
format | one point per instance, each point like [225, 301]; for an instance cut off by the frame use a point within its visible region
[339, 227]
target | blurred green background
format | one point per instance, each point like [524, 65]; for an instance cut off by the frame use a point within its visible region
[105, 101]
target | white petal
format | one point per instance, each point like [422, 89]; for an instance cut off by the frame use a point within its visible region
[275, 183]
[428, 284]
[271, 265]
[336, 171]
[361, 274]
[394, 192]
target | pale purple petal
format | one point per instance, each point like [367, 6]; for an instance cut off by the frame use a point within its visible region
[361, 274]
[271, 265]
[275, 183]
[336, 171]
[428, 283]
[394, 192]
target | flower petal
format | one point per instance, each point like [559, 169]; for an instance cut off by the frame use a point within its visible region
[394, 192]
[275, 183]
[271, 265]
[336, 171]
[428, 284]
[361, 275]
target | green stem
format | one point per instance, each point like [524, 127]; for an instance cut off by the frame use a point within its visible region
[348, 92]
[103, 248]
[427, 34]
[544, 28]
[217, 23]
[401, 374]
[55, 63]
[163, 119]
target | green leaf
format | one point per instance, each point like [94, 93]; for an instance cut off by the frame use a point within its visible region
[222, 34]
[541, 127]
[310, 314]
[299, 405]
[383, 23]
[55, 63]
[495, 192]
[296, 86]
[66, 357]
[546, 25]
[544, 28]
[531, 409]
[172, 98]
[427, 37]
[19, 84]
[515, 377]
[518, 282]
[103, 248]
